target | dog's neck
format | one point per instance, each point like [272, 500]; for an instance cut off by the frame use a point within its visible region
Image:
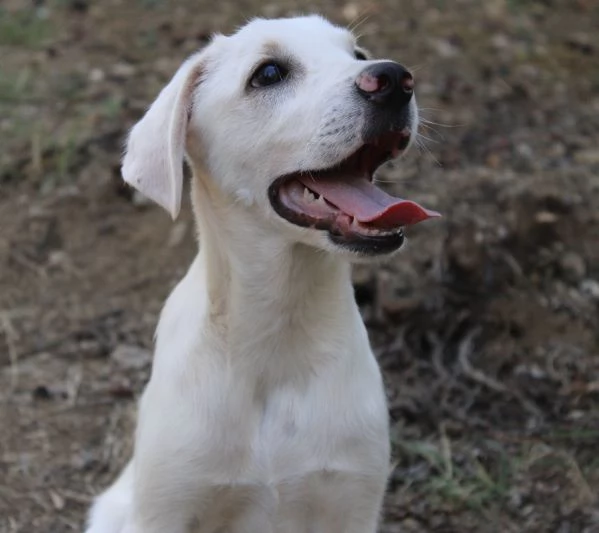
[265, 293]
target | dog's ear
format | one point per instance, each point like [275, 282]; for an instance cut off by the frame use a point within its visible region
[153, 161]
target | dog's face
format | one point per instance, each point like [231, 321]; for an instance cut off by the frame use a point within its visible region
[291, 120]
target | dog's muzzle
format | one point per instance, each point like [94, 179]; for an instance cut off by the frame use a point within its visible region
[343, 198]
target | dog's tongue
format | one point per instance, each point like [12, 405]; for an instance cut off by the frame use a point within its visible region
[360, 198]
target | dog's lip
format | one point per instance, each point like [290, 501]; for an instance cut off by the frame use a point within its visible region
[343, 198]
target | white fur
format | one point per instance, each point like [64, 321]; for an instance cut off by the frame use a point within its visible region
[265, 411]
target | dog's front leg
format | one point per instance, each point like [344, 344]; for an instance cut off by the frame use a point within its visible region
[169, 490]
[164, 503]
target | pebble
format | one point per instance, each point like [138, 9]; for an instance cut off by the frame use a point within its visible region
[140, 200]
[444, 48]
[123, 70]
[96, 75]
[350, 12]
[590, 156]
[131, 357]
[572, 266]
[177, 234]
[546, 217]
[590, 287]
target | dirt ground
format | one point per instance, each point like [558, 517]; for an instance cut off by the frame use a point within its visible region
[487, 325]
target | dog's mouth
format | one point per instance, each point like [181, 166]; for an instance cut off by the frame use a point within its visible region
[345, 201]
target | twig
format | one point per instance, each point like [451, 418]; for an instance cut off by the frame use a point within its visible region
[464, 351]
[11, 339]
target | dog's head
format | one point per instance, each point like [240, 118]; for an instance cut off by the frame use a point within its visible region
[291, 119]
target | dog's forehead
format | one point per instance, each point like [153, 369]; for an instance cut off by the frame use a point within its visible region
[294, 34]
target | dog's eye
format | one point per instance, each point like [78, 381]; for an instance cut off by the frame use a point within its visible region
[269, 74]
[359, 55]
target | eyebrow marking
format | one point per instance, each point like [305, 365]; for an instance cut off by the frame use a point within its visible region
[273, 49]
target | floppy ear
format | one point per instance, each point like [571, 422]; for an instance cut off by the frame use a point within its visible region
[153, 161]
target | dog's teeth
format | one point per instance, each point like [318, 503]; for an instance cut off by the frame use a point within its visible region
[308, 195]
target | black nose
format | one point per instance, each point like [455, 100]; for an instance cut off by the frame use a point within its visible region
[386, 83]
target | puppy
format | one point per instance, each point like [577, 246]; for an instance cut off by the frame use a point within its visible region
[265, 411]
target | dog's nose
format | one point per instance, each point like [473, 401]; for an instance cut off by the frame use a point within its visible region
[386, 83]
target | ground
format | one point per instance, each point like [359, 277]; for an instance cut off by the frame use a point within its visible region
[486, 326]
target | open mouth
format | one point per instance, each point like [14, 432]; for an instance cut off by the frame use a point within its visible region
[345, 201]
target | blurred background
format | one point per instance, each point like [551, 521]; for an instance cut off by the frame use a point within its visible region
[486, 326]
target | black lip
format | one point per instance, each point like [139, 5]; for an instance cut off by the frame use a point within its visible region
[381, 120]
[369, 245]
[299, 219]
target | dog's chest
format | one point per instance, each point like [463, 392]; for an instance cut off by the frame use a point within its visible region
[319, 429]
[309, 457]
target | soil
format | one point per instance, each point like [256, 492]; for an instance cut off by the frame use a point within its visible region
[486, 325]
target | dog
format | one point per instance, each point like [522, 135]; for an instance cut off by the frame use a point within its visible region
[265, 411]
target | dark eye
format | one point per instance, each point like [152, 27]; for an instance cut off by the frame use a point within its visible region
[359, 55]
[269, 74]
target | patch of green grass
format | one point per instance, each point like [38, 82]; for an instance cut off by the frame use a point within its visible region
[112, 106]
[583, 434]
[17, 87]
[482, 476]
[23, 28]
[466, 480]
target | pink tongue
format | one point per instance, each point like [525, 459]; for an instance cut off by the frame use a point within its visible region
[360, 198]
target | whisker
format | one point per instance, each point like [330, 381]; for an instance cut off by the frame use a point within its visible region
[431, 129]
[427, 138]
[361, 18]
[416, 68]
[426, 149]
[427, 121]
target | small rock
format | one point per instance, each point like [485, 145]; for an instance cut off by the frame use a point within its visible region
[525, 150]
[57, 500]
[590, 156]
[444, 48]
[177, 234]
[350, 12]
[409, 524]
[581, 42]
[546, 217]
[572, 266]
[139, 200]
[123, 70]
[500, 41]
[131, 357]
[590, 287]
[96, 75]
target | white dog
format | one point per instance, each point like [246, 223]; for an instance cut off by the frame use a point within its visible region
[266, 411]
